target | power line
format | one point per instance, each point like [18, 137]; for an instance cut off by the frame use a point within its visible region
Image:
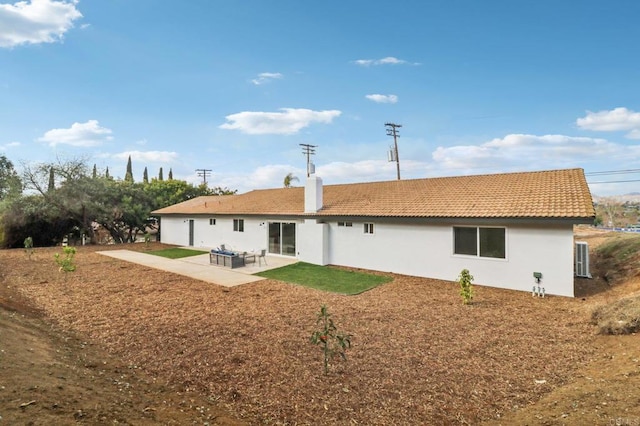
[613, 172]
[615, 181]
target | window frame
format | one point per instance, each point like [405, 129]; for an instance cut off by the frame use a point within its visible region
[480, 249]
[212, 221]
[238, 225]
[345, 224]
[368, 228]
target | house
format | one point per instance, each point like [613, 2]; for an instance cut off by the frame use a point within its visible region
[502, 227]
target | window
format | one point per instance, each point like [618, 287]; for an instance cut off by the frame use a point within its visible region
[368, 228]
[465, 241]
[238, 225]
[482, 242]
[347, 224]
[212, 221]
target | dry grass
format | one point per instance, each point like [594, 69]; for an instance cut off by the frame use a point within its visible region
[418, 356]
[619, 317]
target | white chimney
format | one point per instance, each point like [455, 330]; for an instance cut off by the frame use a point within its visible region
[313, 194]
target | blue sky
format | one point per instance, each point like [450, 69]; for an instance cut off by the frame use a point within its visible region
[235, 87]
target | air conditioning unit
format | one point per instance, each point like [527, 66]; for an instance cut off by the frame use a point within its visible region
[582, 260]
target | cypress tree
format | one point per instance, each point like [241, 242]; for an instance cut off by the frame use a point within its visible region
[52, 184]
[160, 175]
[128, 177]
[95, 171]
[106, 173]
[145, 176]
[170, 174]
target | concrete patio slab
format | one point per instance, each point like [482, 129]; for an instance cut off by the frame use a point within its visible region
[198, 267]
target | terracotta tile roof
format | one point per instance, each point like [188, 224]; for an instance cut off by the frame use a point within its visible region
[545, 194]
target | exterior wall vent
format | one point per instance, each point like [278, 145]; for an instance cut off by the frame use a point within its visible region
[582, 260]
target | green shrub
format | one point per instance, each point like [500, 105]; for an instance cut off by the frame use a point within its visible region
[331, 341]
[28, 246]
[466, 289]
[66, 263]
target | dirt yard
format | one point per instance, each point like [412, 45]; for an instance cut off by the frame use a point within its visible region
[119, 343]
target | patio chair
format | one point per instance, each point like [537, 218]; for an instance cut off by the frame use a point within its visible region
[249, 257]
[262, 255]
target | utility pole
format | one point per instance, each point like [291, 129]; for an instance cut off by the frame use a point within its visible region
[204, 173]
[392, 130]
[308, 150]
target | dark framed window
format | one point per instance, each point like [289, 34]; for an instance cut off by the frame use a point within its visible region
[212, 221]
[347, 224]
[492, 242]
[478, 241]
[238, 225]
[368, 228]
[465, 241]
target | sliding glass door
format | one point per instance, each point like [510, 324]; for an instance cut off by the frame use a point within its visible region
[282, 238]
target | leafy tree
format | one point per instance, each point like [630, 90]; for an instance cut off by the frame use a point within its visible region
[611, 210]
[168, 192]
[69, 205]
[218, 190]
[288, 180]
[31, 215]
[122, 209]
[81, 203]
[10, 183]
[128, 177]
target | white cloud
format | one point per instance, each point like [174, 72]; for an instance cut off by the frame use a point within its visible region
[617, 119]
[9, 145]
[634, 134]
[286, 122]
[525, 152]
[79, 134]
[36, 21]
[266, 77]
[148, 156]
[382, 99]
[389, 60]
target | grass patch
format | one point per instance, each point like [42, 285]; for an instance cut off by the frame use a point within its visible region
[621, 248]
[326, 278]
[176, 252]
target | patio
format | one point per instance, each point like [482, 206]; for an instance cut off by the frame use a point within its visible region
[198, 266]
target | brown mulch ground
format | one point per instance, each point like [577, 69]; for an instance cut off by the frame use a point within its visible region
[418, 355]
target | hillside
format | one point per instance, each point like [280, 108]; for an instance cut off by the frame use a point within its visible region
[118, 342]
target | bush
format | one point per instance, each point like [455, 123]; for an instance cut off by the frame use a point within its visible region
[466, 289]
[28, 246]
[66, 263]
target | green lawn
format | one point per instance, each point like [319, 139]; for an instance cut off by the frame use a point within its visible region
[176, 252]
[326, 278]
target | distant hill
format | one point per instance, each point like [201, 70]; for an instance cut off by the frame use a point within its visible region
[632, 197]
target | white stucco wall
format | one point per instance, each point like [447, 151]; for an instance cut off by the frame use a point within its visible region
[313, 242]
[427, 251]
[418, 250]
[175, 230]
